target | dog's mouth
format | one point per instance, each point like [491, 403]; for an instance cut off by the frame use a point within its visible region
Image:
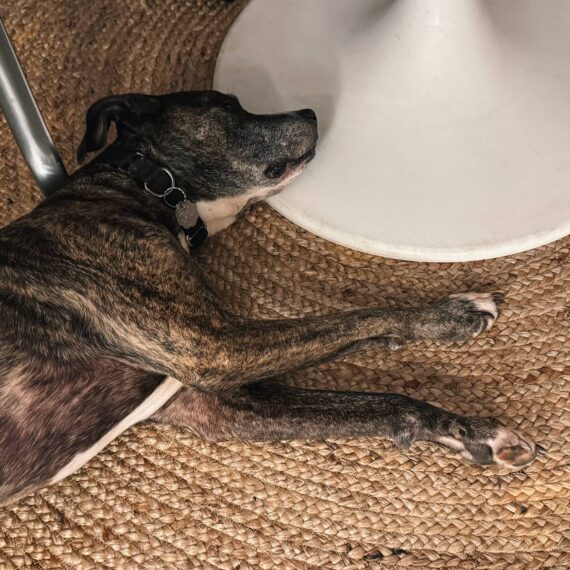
[295, 167]
[307, 157]
[286, 170]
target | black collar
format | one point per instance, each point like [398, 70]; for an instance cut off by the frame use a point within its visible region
[159, 182]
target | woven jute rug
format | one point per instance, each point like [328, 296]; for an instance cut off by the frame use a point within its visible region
[158, 498]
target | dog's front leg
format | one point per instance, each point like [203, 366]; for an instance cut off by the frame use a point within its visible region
[271, 411]
[244, 350]
[228, 351]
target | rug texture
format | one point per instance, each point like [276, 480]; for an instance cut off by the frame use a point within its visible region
[158, 498]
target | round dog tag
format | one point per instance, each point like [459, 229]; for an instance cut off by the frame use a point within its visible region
[186, 214]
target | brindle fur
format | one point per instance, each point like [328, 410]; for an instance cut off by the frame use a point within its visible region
[100, 300]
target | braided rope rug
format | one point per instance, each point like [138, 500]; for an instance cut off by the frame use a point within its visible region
[158, 498]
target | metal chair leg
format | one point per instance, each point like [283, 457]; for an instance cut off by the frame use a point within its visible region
[26, 121]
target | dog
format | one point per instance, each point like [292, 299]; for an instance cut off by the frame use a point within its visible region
[106, 319]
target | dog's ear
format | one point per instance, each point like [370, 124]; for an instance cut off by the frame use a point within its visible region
[126, 110]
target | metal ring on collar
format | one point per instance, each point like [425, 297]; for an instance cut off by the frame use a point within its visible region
[173, 205]
[168, 190]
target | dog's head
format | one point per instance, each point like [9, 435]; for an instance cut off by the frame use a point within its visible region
[213, 145]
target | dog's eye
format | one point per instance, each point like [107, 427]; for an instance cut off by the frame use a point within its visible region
[276, 170]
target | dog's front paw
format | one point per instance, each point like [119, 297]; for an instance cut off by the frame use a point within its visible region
[483, 306]
[461, 316]
[511, 449]
[484, 442]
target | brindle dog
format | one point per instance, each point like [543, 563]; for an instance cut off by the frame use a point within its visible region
[105, 319]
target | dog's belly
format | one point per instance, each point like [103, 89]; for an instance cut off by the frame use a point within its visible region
[54, 419]
[164, 391]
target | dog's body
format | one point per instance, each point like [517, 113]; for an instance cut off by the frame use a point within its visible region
[105, 319]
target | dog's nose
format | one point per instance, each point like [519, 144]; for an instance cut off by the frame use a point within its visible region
[308, 114]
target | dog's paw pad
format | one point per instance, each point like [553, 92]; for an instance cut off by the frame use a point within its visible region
[511, 449]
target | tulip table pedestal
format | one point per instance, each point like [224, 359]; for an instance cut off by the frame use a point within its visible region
[445, 124]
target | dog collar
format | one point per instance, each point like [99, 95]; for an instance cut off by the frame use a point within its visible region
[159, 181]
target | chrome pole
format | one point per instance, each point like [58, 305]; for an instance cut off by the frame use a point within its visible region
[26, 122]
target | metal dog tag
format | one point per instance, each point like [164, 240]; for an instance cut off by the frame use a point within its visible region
[186, 214]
